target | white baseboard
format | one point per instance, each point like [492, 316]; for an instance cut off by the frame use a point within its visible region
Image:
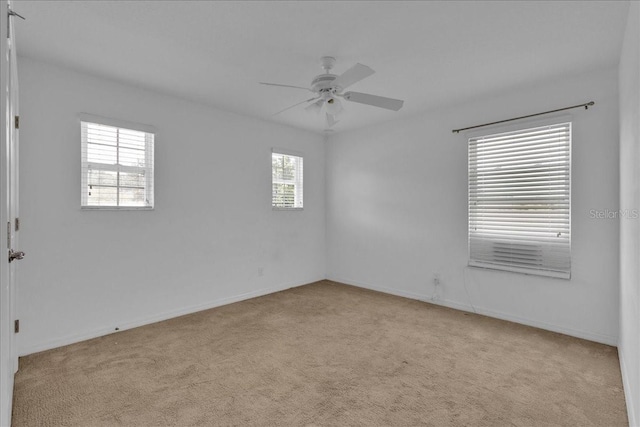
[591, 336]
[628, 391]
[72, 339]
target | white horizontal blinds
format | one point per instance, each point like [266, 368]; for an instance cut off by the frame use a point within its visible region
[117, 167]
[520, 200]
[287, 181]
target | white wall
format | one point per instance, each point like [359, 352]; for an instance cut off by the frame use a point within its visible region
[397, 211]
[88, 272]
[629, 344]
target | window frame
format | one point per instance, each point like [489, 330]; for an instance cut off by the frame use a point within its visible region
[149, 170]
[299, 181]
[523, 125]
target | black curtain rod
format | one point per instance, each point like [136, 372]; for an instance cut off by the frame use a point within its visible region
[586, 107]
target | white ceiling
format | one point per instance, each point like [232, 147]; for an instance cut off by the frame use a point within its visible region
[427, 53]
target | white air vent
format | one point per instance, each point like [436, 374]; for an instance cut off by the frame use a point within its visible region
[508, 253]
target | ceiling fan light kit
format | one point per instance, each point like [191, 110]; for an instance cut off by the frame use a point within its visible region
[334, 106]
[328, 88]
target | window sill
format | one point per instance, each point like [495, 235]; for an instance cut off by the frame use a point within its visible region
[116, 208]
[519, 270]
[286, 209]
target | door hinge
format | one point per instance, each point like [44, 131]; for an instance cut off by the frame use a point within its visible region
[16, 326]
[17, 224]
[17, 122]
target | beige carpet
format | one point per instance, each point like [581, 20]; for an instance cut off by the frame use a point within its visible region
[324, 354]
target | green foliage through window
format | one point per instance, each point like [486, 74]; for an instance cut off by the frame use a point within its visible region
[286, 178]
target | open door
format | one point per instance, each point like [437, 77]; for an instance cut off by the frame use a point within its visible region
[9, 218]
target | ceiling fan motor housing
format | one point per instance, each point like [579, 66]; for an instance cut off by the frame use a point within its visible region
[324, 84]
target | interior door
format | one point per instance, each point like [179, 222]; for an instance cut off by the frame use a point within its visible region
[9, 224]
[13, 226]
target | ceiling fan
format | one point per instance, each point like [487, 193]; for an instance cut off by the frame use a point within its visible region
[328, 89]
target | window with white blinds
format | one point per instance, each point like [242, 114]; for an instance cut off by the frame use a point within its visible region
[117, 167]
[286, 181]
[520, 201]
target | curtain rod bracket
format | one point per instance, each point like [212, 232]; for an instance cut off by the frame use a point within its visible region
[586, 107]
[12, 13]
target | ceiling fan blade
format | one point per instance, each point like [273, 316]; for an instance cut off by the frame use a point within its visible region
[295, 87]
[331, 120]
[376, 101]
[316, 106]
[295, 105]
[353, 75]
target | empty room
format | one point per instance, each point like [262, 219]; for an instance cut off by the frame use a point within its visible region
[320, 213]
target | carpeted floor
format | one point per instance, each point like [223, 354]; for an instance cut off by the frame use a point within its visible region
[324, 354]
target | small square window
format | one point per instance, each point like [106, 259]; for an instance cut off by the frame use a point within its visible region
[286, 180]
[117, 167]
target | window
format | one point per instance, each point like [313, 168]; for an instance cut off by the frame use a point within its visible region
[520, 201]
[117, 167]
[286, 181]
